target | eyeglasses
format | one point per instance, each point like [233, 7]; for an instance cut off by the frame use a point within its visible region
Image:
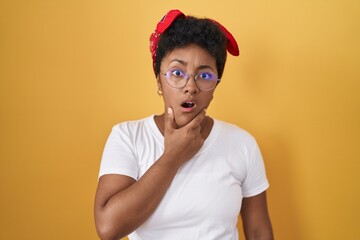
[178, 78]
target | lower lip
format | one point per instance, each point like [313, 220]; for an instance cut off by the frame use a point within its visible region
[187, 110]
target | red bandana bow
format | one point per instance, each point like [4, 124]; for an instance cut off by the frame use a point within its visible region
[167, 20]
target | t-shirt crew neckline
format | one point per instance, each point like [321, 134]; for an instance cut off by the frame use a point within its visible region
[214, 132]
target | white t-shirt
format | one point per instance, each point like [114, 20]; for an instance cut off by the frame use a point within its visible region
[204, 199]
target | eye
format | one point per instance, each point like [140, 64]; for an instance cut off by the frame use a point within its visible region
[207, 76]
[177, 73]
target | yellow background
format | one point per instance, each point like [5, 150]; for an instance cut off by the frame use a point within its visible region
[70, 70]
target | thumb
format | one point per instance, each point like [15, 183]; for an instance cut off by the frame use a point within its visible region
[169, 119]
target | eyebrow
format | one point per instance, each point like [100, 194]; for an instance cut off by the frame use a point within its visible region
[182, 62]
[205, 67]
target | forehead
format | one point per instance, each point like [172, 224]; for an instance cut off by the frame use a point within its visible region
[192, 55]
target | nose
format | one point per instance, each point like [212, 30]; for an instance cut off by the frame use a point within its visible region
[191, 86]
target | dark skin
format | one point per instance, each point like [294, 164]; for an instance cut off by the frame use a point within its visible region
[122, 204]
[255, 218]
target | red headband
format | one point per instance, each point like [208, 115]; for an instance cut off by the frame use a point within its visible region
[168, 19]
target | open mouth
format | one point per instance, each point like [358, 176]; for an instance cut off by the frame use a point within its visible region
[188, 104]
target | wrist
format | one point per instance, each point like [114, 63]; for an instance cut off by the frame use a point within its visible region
[171, 160]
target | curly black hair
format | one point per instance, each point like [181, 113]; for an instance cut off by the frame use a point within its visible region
[190, 30]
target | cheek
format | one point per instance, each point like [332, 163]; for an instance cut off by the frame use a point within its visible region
[210, 97]
[209, 100]
[168, 96]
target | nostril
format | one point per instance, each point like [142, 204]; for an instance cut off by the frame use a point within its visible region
[194, 90]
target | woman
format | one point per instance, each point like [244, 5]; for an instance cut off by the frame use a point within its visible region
[182, 174]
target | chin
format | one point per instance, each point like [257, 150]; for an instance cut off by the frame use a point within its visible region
[183, 119]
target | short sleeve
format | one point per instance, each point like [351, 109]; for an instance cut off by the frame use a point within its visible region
[256, 181]
[118, 155]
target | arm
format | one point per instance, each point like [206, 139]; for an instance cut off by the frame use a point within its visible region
[255, 217]
[123, 204]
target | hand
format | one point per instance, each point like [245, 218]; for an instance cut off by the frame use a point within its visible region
[184, 142]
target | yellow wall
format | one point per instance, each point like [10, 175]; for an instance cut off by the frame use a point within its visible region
[69, 70]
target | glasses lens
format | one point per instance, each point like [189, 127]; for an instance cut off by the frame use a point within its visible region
[206, 80]
[176, 78]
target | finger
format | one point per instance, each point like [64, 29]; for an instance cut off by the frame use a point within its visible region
[197, 120]
[169, 119]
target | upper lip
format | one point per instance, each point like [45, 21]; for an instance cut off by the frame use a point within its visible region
[188, 100]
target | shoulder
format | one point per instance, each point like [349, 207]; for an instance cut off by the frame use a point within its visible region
[129, 131]
[233, 132]
[131, 126]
